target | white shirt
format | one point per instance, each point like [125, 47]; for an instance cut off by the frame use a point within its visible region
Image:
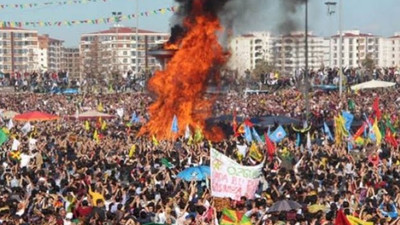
[25, 160]
[32, 144]
[242, 149]
[15, 145]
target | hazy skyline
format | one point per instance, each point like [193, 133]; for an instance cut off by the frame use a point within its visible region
[370, 17]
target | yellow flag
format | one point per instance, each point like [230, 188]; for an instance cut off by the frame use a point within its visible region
[377, 133]
[190, 140]
[132, 151]
[87, 126]
[360, 141]
[103, 125]
[356, 221]
[5, 130]
[255, 152]
[340, 130]
[96, 136]
[198, 136]
[155, 141]
[100, 107]
[338, 135]
[16, 155]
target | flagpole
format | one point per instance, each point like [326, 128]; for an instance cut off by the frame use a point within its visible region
[306, 78]
[137, 39]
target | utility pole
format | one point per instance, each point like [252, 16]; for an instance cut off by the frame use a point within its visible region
[306, 78]
[117, 16]
[331, 5]
[340, 49]
[137, 38]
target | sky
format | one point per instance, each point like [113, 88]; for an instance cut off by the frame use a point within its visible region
[379, 17]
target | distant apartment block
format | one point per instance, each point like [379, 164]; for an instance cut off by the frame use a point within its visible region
[114, 51]
[290, 55]
[50, 53]
[287, 52]
[249, 49]
[18, 50]
[356, 46]
[71, 62]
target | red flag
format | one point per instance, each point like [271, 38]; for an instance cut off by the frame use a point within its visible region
[234, 125]
[341, 218]
[390, 138]
[240, 130]
[270, 146]
[98, 123]
[248, 123]
[375, 107]
[359, 131]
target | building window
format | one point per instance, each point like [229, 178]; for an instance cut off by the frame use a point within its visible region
[125, 53]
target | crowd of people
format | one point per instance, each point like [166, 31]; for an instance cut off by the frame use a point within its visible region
[54, 82]
[59, 174]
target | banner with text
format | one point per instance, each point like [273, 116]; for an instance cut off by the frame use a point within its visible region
[232, 180]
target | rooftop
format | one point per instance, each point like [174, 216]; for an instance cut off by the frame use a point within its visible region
[123, 30]
[16, 29]
[350, 34]
[42, 37]
[248, 35]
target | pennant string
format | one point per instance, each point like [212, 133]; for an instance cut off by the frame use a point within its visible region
[87, 21]
[35, 5]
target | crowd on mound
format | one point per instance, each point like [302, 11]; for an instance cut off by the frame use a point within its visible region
[60, 174]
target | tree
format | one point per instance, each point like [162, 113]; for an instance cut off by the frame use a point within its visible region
[368, 62]
[262, 68]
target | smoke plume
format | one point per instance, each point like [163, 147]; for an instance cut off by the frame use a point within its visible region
[211, 7]
[239, 16]
[290, 21]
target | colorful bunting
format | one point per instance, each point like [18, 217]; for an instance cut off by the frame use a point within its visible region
[87, 21]
[35, 5]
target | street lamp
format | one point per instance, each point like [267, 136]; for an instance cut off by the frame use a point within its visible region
[306, 78]
[137, 38]
[331, 5]
[117, 16]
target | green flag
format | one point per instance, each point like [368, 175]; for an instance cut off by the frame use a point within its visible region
[3, 137]
[390, 125]
[382, 128]
[351, 105]
[166, 163]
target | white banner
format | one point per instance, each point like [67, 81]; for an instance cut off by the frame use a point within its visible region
[232, 180]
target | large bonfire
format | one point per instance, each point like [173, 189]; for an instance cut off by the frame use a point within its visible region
[181, 87]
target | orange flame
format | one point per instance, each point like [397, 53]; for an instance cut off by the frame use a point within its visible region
[170, 46]
[180, 88]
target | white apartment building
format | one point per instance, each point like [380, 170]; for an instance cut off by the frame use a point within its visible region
[50, 53]
[356, 47]
[43, 58]
[18, 50]
[389, 54]
[114, 50]
[249, 49]
[289, 52]
[286, 52]
[71, 62]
